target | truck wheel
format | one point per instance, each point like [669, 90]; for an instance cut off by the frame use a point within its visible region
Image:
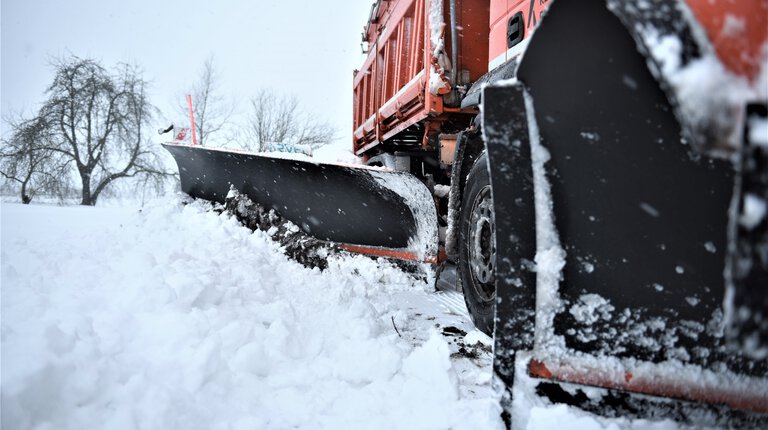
[477, 247]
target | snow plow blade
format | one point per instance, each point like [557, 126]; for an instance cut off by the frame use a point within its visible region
[633, 284]
[362, 209]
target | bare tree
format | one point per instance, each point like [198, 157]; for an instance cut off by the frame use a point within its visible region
[212, 110]
[279, 119]
[26, 162]
[95, 120]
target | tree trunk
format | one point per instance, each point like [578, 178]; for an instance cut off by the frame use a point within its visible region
[88, 198]
[25, 199]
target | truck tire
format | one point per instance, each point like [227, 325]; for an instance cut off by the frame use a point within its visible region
[477, 247]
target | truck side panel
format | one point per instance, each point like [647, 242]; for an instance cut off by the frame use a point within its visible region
[402, 82]
[511, 23]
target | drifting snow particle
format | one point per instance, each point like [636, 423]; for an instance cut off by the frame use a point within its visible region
[594, 137]
[592, 218]
[658, 287]
[710, 247]
[650, 210]
[680, 270]
[692, 300]
[631, 83]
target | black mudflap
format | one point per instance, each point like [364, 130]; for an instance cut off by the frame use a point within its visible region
[505, 130]
[342, 204]
[642, 215]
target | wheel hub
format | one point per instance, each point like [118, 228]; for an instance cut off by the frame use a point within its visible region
[482, 244]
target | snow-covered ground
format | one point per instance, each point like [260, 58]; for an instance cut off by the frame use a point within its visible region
[176, 317]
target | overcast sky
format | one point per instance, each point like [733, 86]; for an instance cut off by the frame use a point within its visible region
[305, 47]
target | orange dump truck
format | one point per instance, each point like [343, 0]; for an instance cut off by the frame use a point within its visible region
[596, 171]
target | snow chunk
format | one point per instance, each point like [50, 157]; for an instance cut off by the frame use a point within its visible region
[430, 363]
[476, 336]
[758, 130]
[755, 209]
[442, 191]
[592, 308]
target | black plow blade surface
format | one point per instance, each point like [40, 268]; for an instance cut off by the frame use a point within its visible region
[352, 205]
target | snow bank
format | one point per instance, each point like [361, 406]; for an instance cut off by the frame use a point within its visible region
[176, 317]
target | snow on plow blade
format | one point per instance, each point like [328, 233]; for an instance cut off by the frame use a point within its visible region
[632, 288]
[364, 210]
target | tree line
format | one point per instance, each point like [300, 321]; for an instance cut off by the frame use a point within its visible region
[93, 130]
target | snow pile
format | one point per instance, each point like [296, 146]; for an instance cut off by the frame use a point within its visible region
[176, 317]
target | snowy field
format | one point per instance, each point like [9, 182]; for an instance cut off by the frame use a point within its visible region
[176, 317]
